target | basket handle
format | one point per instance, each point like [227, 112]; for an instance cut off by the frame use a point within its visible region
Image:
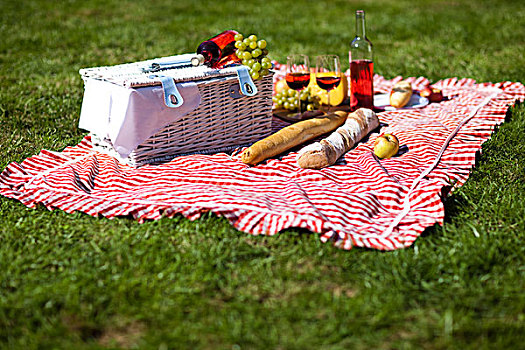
[246, 84]
[179, 61]
[172, 96]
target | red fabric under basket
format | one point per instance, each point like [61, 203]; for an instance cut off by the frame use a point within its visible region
[360, 201]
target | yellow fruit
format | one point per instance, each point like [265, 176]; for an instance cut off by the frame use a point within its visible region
[386, 146]
[337, 95]
[280, 86]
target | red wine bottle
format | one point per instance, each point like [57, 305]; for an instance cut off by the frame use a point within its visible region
[218, 51]
[361, 67]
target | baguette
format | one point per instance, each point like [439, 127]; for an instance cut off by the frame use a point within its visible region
[291, 136]
[326, 152]
[400, 94]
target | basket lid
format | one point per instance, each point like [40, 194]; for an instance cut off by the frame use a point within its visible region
[150, 72]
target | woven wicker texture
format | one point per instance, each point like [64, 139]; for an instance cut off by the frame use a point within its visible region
[220, 123]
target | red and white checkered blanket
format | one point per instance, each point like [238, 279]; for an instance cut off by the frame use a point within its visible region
[360, 201]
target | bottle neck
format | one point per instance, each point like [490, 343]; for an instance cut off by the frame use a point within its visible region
[206, 54]
[360, 24]
[209, 51]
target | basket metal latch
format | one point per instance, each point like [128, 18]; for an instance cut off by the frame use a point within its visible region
[235, 91]
[172, 96]
[246, 85]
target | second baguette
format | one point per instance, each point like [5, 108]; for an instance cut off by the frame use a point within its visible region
[326, 152]
[400, 94]
[291, 136]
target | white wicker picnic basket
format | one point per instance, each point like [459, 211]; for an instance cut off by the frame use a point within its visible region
[225, 118]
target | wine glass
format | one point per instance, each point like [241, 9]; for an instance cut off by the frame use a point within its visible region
[328, 73]
[297, 74]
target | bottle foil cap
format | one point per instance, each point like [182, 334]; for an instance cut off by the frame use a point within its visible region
[197, 60]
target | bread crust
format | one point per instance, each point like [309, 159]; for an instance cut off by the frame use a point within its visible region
[291, 136]
[400, 94]
[326, 152]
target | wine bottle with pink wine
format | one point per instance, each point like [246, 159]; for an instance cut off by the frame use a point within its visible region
[361, 67]
[218, 51]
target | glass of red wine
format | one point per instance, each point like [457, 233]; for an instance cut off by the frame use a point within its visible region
[297, 74]
[328, 74]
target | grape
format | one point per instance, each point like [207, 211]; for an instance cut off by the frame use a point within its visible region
[253, 52]
[261, 44]
[256, 52]
[256, 66]
[287, 98]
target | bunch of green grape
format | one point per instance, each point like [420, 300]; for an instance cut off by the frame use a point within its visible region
[287, 99]
[253, 54]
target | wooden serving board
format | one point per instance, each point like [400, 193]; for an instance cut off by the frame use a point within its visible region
[293, 117]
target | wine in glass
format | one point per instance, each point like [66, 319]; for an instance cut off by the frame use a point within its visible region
[297, 74]
[328, 73]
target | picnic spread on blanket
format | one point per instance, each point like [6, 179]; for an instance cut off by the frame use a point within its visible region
[357, 158]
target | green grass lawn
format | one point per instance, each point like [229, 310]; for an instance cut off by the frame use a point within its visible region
[70, 281]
